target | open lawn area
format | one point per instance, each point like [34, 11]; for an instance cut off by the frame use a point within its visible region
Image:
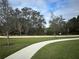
[19, 43]
[59, 50]
[16, 44]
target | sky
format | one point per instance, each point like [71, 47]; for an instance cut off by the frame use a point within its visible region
[66, 8]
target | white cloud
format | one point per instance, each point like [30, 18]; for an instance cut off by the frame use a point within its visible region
[32, 3]
[69, 11]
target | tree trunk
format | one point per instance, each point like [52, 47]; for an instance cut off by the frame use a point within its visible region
[20, 32]
[7, 35]
[19, 28]
[8, 40]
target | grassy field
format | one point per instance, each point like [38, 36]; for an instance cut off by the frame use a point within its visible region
[61, 50]
[19, 43]
[16, 44]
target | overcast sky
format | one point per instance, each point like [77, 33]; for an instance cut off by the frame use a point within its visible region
[67, 8]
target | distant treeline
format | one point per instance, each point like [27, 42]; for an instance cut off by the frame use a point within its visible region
[58, 25]
[30, 22]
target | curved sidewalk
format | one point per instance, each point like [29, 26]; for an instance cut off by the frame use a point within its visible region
[28, 52]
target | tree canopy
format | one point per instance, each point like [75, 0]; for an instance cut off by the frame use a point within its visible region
[27, 21]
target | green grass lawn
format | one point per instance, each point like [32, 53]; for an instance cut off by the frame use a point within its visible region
[60, 50]
[18, 43]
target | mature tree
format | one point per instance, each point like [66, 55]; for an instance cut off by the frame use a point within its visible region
[5, 16]
[26, 15]
[34, 21]
[19, 20]
[5, 11]
[73, 25]
[57, 24]
[38, 22]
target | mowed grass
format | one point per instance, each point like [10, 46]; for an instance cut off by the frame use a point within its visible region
[59, 50]
[16, 44]
[19, 43]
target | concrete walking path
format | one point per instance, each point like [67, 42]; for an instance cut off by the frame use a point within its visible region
[28, 52]
[40, 36]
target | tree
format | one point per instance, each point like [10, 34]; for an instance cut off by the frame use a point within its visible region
[34, 21]
[57, 24]
[73, 25]
[38, 22]
[19, 24]
[26, 15]
[5, 10]
[6, 18]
